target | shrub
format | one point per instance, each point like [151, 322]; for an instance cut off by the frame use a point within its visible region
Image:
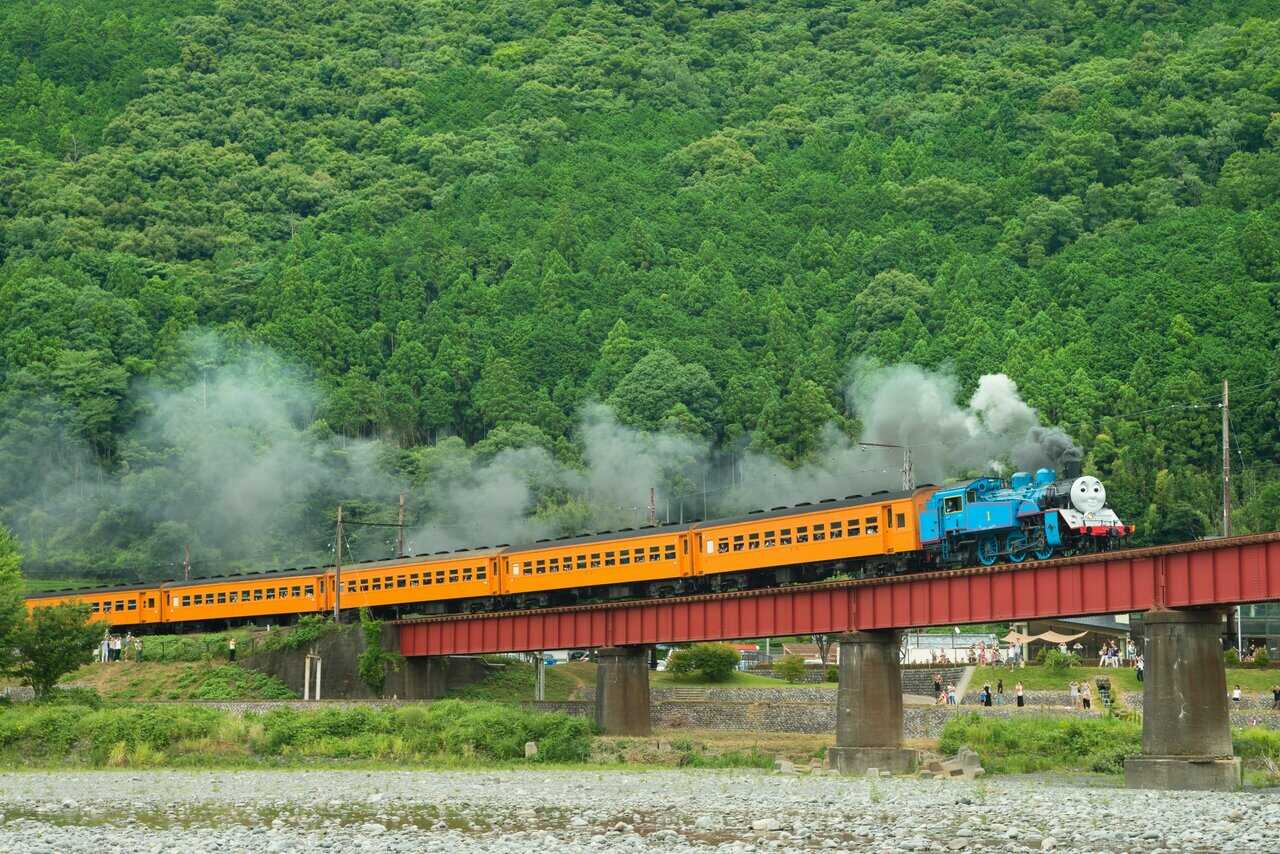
[790, 668]
[1232, 657]
[715, 662]
[374, 661]
[833, 673]
[1261, 659]
[310, 628]
[1057, 662]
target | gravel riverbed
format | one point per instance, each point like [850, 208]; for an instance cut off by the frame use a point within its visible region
[271, 812]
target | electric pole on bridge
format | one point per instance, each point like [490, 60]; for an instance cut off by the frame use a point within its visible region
[1226, 494]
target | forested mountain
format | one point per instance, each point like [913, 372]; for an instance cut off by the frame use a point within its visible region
[377, 232]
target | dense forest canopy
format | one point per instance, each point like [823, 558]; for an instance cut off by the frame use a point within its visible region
[281, 253]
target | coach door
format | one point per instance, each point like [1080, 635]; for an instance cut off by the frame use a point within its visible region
[886, 528]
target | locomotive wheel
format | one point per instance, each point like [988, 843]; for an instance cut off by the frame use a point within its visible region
[1016, 546]
[988, 550]
[1043, 553]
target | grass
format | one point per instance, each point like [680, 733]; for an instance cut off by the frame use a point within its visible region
[142, 681]
[44, 585]
[1036, 678]
[514, 683]
[67, 735]
[1037, 743]
[737, 679]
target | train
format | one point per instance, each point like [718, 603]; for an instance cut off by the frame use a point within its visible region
[981, 521]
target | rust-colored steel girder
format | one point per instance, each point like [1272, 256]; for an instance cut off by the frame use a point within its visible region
[1209, 572]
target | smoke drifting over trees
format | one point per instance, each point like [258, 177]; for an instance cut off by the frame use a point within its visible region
[235, 463]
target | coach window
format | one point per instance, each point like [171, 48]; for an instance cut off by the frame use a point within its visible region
[297, 591]
[133, 604]
[377, 584]
[753, 541]
[609, 559]
[232, 597]
[271, 593]
[222, 598]
[784, 537]
[637, 556]
[284, 591]
[186, 601]
[819, 531]
[770, 539]
[540, 567]
[466, 573]
[836, 532]
[481, 574]
[151, 602]
[257, 595]
[309, 590]
[655, 553]
[245, 596]
[388, 582]
[739, 542]
[595, 560]
[902, 520]
[669, 553]
[553, 564]
[197, 599]
[414, 580]
[95, 607]
[952, 504]
[401, 581]
[624, 557]
[453, 576]
[855, 527]
[802, 534]
[872, 525]
[439, 576]
[582, 561]
[722, 545]
[351, 587]
[364, 584]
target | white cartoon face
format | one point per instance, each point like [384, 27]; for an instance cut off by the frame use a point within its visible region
[1088, 494]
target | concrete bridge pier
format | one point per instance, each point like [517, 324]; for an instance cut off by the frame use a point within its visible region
[869, 706]
[622, 690]
[1186, 726]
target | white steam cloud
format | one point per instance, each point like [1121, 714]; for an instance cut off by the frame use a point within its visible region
[235, 465]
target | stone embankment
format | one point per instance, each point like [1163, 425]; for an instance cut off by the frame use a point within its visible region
[575, 812]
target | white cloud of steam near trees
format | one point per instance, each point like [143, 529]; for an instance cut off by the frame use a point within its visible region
[233, 464]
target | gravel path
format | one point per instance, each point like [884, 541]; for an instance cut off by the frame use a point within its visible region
[512, 812]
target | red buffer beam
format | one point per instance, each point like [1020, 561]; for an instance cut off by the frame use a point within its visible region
[1215, 572]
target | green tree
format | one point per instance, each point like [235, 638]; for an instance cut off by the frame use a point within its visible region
[52, 642]
[12, 607]
[791, 668]
[711, 662]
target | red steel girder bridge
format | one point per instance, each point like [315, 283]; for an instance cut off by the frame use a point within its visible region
[1229, 571]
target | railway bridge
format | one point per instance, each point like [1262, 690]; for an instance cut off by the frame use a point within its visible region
[1182, 589]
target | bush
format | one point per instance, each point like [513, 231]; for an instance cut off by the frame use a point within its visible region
[715, 662]
[1057, 662]
[375, 660]
[310, 628]
[790, 668]
[833, 673]
[1233, 657]
[1261, 659]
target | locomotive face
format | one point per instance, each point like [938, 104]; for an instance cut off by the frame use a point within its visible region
[1088, 494]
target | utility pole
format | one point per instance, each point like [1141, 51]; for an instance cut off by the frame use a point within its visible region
[400, 529]
[1226, 494]
[908, 473]
[1226, 463]
[337, 571]
[653, 505]
[186, 562]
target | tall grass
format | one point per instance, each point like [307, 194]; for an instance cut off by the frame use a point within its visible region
[1044, 743]
[65, 734]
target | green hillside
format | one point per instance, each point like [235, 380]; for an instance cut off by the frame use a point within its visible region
[259, 256]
